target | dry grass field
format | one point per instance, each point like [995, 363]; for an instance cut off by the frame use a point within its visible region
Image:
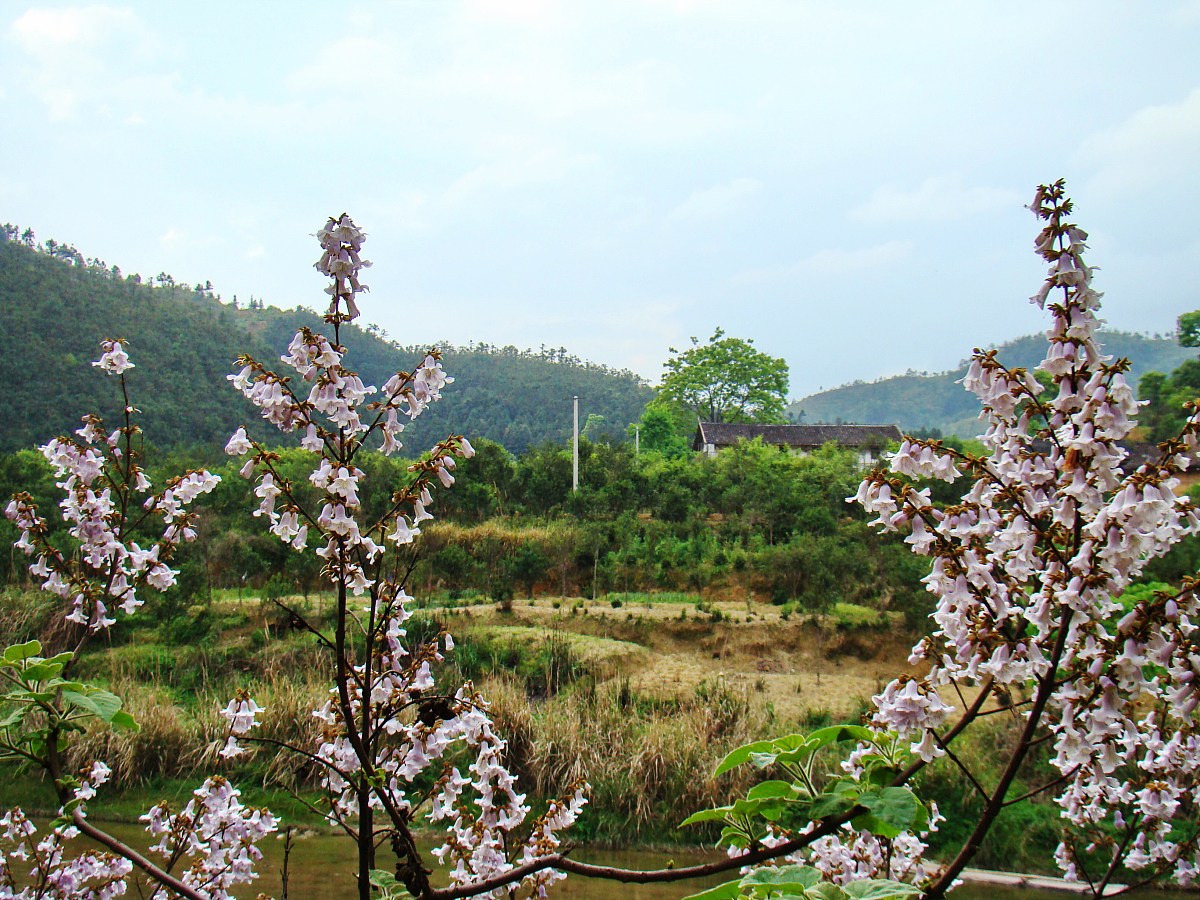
[801, 665]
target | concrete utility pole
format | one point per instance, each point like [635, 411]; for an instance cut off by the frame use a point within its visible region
[637, 439]
[575, 450]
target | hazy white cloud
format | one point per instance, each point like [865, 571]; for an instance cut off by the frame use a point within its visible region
[48, 31]
[517, 12]
[173, 237]
[716, 202]
[614, 155]
[1156, 144]
[69, 51]
[938, 199]
[516, 169]
[831, 262]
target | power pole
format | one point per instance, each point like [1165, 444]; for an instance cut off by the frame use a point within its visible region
[637, 439]
[575, 449]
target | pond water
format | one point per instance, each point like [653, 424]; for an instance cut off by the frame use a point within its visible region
[322, 868]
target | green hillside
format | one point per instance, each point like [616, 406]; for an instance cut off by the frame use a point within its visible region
[938, 401]
[55, 307]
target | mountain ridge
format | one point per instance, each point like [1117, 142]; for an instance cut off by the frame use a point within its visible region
[55, 307]
[917, 401]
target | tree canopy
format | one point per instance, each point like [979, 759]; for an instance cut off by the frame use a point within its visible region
[726, 380]
[1188, 327]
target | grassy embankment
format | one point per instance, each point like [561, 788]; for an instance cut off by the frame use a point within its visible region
[641, 694]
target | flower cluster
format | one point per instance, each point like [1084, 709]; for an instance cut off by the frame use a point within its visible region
[341, 242]
[217, 833]
[384, 729]
[102, 480]
[1028, 569]
[852, 855]
[50, 873]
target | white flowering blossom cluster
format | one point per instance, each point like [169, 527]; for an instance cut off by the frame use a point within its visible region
[1028, 569]
[102, 479]
[51, 873]
[385, 727]
[341, 243]
[216, 833]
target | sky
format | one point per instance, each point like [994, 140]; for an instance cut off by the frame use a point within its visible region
[844, 184]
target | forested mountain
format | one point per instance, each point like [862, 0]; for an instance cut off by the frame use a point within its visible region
[918, 401]
[55, 306]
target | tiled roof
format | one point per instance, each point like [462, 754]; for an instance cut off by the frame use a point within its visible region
[723, 434]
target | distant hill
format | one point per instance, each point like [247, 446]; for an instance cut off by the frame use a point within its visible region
[936, 401]
[55, 306]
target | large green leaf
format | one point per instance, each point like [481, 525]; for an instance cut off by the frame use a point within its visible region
[100, 704]
[740, 755]
[727, 891]
[15, 715]
[124, 721]
[707, 815]
[18, 652]
[825, 891]
[784, 878]
[892, 810]
[878, 889]
[772, 790]
[825, 806]
[40, 671]
[838, 734]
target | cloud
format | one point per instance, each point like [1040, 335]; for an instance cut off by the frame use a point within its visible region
[67, 48]
[48, 31]
[830, 262]
[519, 169]
[938, 199]
[716, 202]
[1154, 145]
[173, 237]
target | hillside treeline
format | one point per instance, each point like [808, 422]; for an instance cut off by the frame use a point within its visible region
[924, 401]
[751, 522]
[56, 306]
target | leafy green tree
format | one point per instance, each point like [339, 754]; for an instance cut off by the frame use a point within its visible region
[665, 428]
[726, 380]
[1188, 328]
[528, 565]
[1165, 396]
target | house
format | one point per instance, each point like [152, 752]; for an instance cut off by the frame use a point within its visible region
[869, 440]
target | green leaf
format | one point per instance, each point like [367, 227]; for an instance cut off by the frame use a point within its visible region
[826, 891]
[381, 878]
[733, 837]
[772, 790]
[880, 776]
[730, 890]
[18, 652]
[100, 704]
[789, 742]
[41, 671]
[15, 716]
[707, 815]
[893, 810]
[878, 889]
[124, 721]
[785, 878]
[825, 806]
[839, 734]
[748, 808]
[740, 755]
